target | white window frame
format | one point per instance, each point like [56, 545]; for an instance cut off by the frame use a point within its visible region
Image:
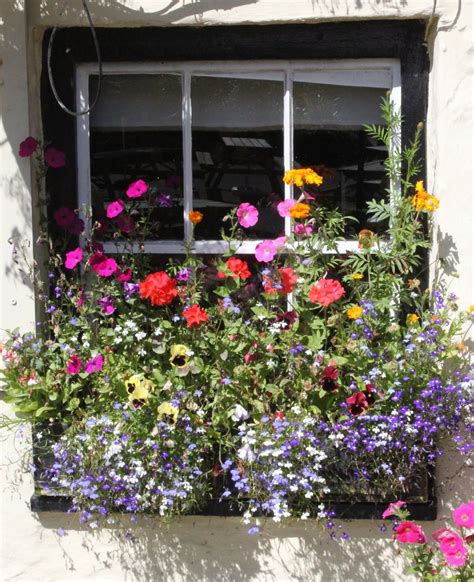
[377, 73]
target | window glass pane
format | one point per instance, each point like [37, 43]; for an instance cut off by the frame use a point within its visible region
[136, 133]
[237, 141]
[329, 137]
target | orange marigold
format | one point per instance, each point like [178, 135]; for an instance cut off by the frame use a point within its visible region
[158, 288]
[299, 210]
[422, 200]
[302, 176]
[366, 238]
[195, 216]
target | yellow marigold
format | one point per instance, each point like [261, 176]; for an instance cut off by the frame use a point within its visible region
[412, 318]
[471, 308]
[354, 312]
[357, 276]
[300, 210]
[195, 216]
[422, 200]
[302, 176]
[168, 413]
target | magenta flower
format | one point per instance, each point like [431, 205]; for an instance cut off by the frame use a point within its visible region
[458, 558]
[74, 365]
[265, 251]
[247, 215]
[410, 533]
[463, 516]
[54, 158]
[107, 304]
[80, 299]
[64, 217]
[126, 223]
[95, 364]
[302, 229]
[124, 275]
[392, 508]
[73, 258]
[284, 208]
[28, 147]
[114, 209]
[102, 265]
[137, 189]
[450, 542]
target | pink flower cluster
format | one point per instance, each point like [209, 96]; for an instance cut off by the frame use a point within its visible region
[95, 364]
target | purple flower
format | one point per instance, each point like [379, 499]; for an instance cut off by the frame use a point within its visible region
[183, 275]
[164, 200]
[107, 304]
[95, 364]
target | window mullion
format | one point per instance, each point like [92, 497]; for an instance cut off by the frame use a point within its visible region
[187, 157]
[288, 137]
[83, 153]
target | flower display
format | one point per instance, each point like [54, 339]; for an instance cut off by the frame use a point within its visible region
[195, 216]
[28, 147]
[159, 288]
[326, 291]
[247, 215]
[137, 189]
[274, 377]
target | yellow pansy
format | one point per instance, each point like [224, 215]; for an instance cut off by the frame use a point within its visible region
[179, 355]
[168, 413]
[138, 390]
[354, 312]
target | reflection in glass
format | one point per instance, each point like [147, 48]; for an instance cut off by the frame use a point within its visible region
[237, 151]
[136, 133]
[329, 137]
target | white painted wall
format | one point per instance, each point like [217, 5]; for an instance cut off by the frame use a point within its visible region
[211, 549]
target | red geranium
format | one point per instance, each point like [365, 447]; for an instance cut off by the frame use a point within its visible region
[158, 288]
[239, 268]
[288, 279]
[326, 291]
[194, 315]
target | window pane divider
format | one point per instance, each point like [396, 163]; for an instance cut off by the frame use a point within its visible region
[187, 157]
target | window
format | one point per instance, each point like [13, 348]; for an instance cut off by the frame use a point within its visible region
[211, 135]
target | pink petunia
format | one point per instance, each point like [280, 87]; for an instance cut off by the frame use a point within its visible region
[392, 508]
[137, 189]
[114, 208]
[284, 208]
[107, 304]
[458, 558]
[95, 364]
[450, 543]
[302, 229]
[463, 515]
[102, 265]
[74, 365]
[73, 258]
[265, 251]
[410, 533]
[247, 215]
[64, 217]
[28, 147]
[124, 275]
[279, 242]
[54, 158]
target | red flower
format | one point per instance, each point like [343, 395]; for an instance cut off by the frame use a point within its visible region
[28, 147]
[326, 291]
[239, 268]
[357, 403]
[54, 158]
[288, 279]
[194, 315]
[329, 379]
[410, 533]
[158, 288]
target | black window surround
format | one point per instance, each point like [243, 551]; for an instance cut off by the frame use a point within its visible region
[391, 39]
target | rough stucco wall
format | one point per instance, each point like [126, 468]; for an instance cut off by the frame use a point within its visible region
[199, 549]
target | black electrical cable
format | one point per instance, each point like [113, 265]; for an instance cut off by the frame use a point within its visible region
[99, 60]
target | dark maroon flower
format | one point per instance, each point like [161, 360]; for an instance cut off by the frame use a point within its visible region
[357, 403]
[125, 223]
[64, 217]
[329, 380]
[370, 394]
[54, 158]
[77, 227]
[289, 317]
[28, 147]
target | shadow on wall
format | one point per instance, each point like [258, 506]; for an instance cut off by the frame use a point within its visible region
[201, 549]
